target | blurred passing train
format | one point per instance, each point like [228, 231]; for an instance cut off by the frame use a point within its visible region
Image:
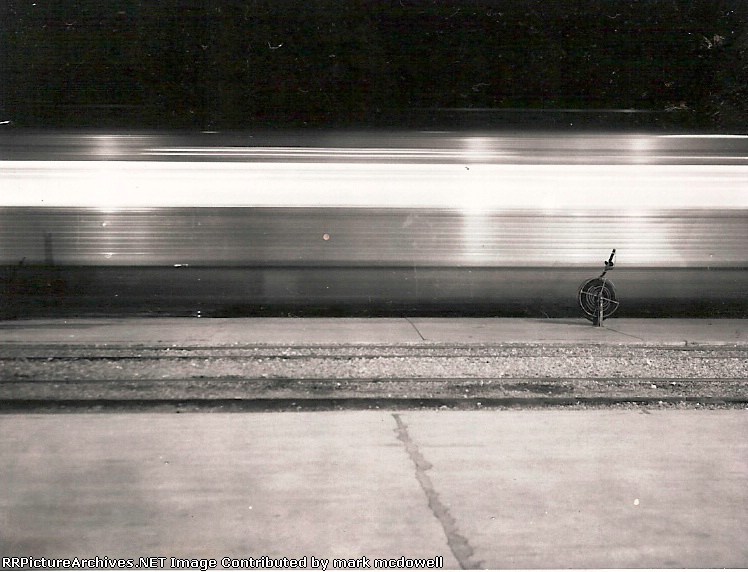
[384, 223]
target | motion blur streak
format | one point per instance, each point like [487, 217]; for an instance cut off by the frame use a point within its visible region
[381, 146]
[372, 223]
[370, 237]
[477, 187]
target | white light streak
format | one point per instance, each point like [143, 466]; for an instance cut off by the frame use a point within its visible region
[481, 187]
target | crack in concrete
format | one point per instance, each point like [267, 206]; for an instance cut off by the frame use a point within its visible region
[415, 328]
[458, 544]
[625, 334]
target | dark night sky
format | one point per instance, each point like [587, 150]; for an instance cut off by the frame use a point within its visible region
[331, 63]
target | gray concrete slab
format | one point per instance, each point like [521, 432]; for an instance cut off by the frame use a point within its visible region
[210, 486]
[190, 332]
[208, 331]
[564, 331]
[517, 489]
[592, 489]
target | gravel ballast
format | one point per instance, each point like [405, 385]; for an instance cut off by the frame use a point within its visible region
[480, 375]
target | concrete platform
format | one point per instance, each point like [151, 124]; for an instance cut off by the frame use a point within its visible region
[479, 489]
[618, 488]
[196, 332]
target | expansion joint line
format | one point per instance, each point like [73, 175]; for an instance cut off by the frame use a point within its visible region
[625, 334]
[415, 328]
[458, 544]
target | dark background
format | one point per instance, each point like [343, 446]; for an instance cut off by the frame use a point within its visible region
[156, 64]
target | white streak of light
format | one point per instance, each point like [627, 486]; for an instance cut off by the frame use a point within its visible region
[123, 184]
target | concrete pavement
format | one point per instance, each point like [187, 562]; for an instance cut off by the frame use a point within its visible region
[630, 488]
[192, 332]
[501, 489]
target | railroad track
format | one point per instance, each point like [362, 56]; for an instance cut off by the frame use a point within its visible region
[289, 377]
